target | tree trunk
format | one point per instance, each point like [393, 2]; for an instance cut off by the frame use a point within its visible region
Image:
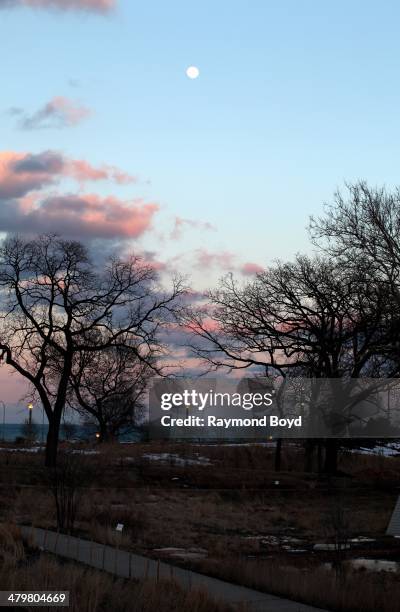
[309, 448]
[331, 456]
[103, 431]
[319, 460]
[278, 455]
[56, 415]
[52, 441]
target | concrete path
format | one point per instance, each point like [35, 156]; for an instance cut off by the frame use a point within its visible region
[129, 565]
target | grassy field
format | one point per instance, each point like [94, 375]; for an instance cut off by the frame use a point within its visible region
[229, 514]
[91, 590]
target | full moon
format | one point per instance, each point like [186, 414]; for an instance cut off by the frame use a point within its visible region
[192, 72]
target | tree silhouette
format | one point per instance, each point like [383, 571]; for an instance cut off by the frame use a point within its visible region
[108, 388]
[55, 303]
[312, 317]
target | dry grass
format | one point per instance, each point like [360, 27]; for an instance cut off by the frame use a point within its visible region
[209, 519]
[92, 590]
[354, 592]
[158, 511]
[217, 506]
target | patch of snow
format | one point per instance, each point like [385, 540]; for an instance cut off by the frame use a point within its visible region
[287, 543]
[190, 554]
[175, 459]
[297, 550]
[270, 444]
[33, 449]
[330, 547]
[374, 565]
[361, 540]
[293, 540]
[389, 450]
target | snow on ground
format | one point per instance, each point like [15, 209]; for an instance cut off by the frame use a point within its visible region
[392, 449]
[190, 554]
[33, 449]
[38, 449]
[269, 444]
[176, 459]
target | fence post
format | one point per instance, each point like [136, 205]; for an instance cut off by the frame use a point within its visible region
[158, 571]
[104, 554]
[130, 565]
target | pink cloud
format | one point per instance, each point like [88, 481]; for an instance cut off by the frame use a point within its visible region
[27, 205]
[21, 173]
[224, 260]
[207, 325]
[96, 6]
[59, 112]
[85, 216]
[82, 171]
[180, 223]
[251, 269]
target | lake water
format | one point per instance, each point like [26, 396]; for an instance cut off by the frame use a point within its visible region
[10, 431]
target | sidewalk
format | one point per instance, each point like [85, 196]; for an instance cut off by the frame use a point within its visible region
[129, 565]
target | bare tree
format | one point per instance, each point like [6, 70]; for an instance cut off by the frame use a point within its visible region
[66, 483]
[108, 387]
[312, 318]
[364, 226]
[54, 305]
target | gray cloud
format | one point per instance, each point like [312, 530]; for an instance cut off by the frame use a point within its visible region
[94, 6]
[59, 112]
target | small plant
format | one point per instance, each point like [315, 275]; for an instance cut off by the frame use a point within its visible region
[65, 482]
[11, 547]
[338, 529]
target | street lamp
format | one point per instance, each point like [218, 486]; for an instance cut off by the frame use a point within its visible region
[30, 408]
[4, 420]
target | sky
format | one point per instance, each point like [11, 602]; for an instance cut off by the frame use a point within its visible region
[105, 138]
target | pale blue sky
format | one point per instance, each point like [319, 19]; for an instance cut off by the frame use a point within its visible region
[294, 97]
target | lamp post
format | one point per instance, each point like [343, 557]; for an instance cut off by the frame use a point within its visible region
[4, 420]
[30, 408]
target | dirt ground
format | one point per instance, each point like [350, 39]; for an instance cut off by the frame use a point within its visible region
[224, 511]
